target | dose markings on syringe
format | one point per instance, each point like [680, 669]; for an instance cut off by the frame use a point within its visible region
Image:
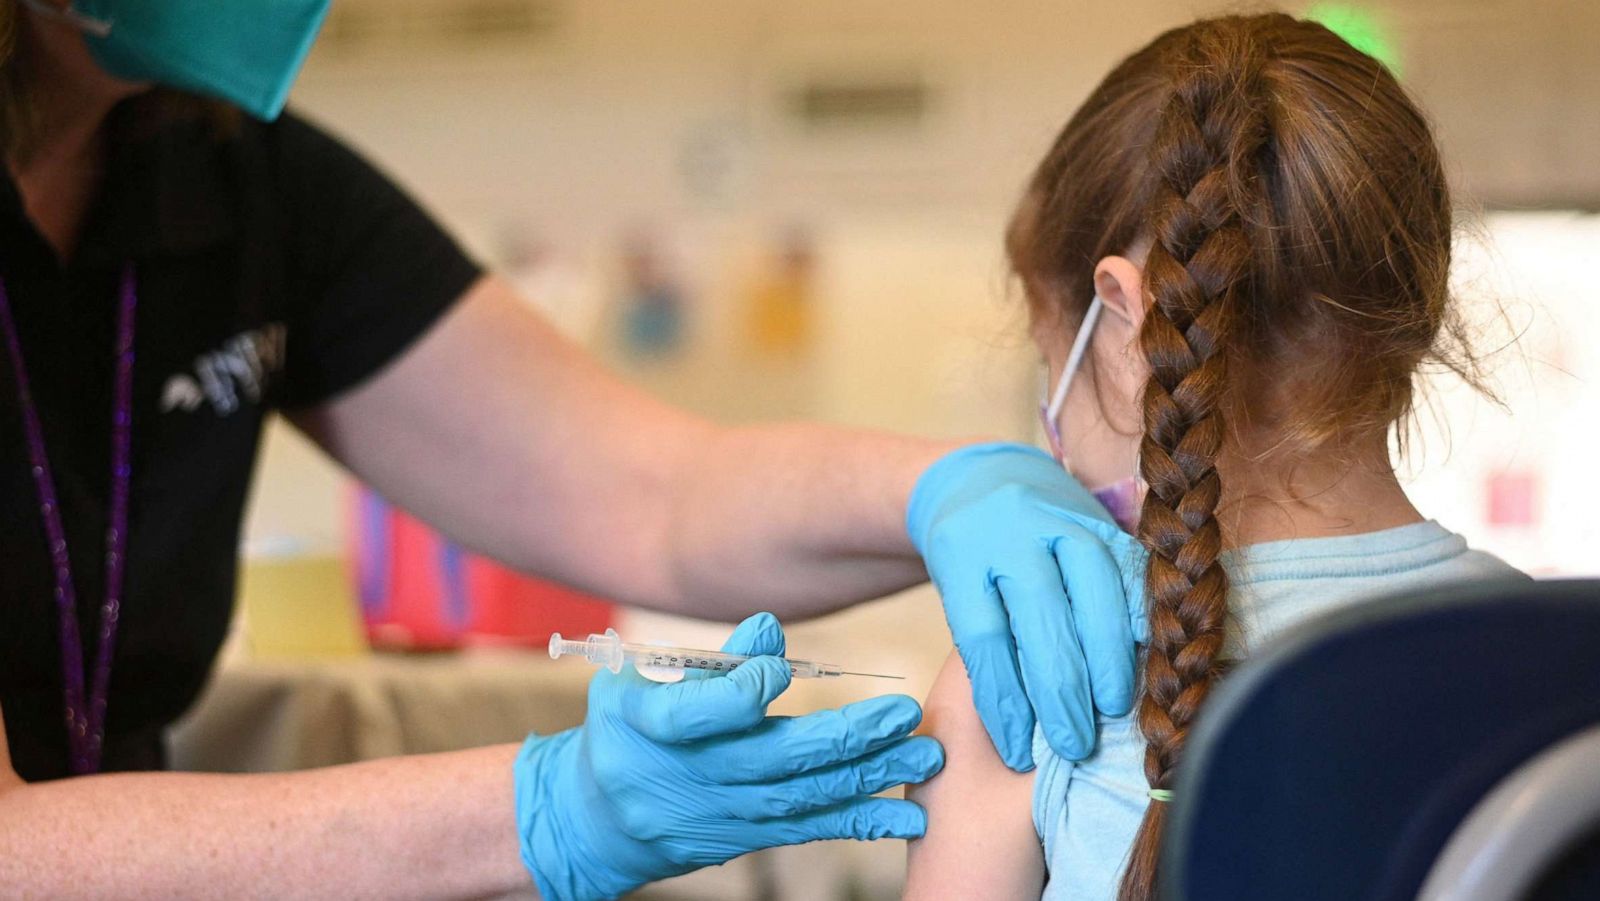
[706, 663]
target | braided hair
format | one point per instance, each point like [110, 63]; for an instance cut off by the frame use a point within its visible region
[1207, 145]
[1298, 225]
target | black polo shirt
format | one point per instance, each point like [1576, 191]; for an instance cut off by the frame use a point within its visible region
[276, 268]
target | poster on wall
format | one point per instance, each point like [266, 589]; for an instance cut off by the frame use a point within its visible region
[653, 301]
[780, 305]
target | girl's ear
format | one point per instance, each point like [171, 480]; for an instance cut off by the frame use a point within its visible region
[1120, 284]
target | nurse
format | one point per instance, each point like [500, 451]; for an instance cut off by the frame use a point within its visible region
[177, 260]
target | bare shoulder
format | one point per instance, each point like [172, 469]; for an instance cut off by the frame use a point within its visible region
[980, 840]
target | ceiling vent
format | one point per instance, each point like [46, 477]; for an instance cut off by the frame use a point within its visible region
[834, 104]
[357, 27]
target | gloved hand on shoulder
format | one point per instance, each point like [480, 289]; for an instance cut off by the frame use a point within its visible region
[1036, 580]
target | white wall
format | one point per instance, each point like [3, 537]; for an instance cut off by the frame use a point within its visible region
[1530, 282]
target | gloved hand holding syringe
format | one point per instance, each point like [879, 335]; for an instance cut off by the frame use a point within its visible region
[611, 652]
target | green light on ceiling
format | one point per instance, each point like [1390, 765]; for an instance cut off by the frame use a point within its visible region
[1360, 28]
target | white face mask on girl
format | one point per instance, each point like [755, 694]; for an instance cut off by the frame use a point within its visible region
[1123, 498]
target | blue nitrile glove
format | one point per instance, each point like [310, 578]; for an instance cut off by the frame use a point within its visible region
[1027, 562]
[667, 778]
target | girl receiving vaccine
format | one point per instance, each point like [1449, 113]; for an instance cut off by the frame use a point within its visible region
[1235, 258]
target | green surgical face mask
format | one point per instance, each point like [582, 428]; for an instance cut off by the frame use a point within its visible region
[243, 51]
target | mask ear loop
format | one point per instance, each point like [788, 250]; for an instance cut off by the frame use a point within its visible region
[1080, 344]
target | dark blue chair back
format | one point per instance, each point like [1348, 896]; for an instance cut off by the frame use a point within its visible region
[1337, 762]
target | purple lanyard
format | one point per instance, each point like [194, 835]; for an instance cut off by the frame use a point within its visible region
[85, 715]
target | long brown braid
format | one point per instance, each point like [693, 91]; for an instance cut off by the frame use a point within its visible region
[1206, 150]
[1298, 224]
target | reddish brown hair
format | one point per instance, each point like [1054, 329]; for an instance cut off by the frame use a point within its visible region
[1299, 226]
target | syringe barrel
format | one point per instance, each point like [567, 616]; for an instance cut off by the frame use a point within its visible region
[609, 651]
[644, 656]
[647, 656]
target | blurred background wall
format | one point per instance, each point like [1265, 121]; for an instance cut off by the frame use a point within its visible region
[766, 210]
[556, 137]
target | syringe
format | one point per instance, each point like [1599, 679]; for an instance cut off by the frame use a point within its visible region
[610, 651]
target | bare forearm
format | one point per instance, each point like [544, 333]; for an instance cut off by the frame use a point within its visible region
[436, 826]
[799, 519]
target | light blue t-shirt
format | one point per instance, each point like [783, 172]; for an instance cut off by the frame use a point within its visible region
[1086, 813]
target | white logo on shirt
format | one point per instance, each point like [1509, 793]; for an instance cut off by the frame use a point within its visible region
[241, 366]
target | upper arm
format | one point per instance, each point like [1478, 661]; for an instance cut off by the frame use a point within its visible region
[367, 269]
[980, 841]
[450, 395]
[508, 438]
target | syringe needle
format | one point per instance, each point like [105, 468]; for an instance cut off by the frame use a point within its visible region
[871, 675]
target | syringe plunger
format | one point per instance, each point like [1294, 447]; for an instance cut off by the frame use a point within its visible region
[603, 650]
